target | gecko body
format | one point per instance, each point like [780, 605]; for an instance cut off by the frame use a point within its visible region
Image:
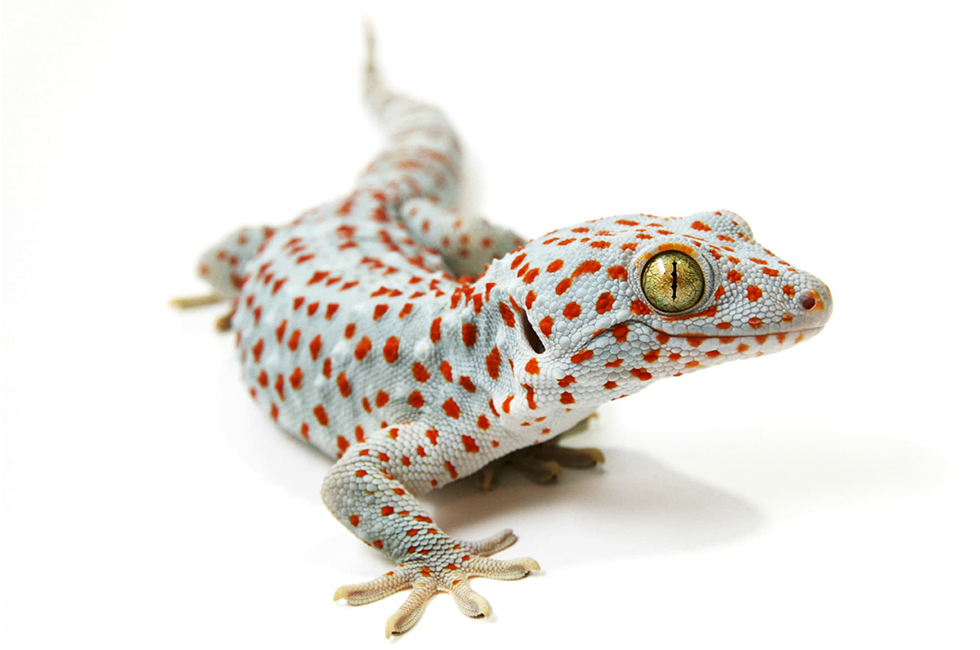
[358, 333]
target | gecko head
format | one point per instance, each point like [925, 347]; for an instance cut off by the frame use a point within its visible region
[603, 308]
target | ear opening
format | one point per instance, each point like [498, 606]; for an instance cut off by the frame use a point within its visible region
[529, 334]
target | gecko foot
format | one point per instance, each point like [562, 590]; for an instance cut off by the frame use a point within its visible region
[443, 568]
[541, 463]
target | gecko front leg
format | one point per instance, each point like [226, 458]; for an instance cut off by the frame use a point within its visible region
[370, 491]
[466, 244]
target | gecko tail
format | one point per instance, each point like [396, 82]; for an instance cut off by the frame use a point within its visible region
[375, 92]
[369, 61]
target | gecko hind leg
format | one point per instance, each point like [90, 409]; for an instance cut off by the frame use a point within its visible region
[222, 324]
[542, 463]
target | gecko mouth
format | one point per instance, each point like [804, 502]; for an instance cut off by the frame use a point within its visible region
[626, 325]
[709, 345]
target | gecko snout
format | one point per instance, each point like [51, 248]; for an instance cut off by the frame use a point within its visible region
[816, 305]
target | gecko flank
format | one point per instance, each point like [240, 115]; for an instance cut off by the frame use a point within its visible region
[362, 331]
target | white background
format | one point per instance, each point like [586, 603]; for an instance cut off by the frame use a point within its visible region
[826, 497]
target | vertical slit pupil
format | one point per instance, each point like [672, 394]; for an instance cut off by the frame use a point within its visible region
[673, 285]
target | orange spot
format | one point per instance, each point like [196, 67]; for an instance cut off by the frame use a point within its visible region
[639, 308]
[391, 349]
[416, 400]
[604, 303]
[617, 273]
[555, 266]
[530, 396]
[466, 383]
[507, 315]
[362, 349]
[493, 363]
[572, 310]
[563, 286]
[343, 385]
[734, 276]
[435, 332]
[545, 325]
[567, 398]
[789, 291]
[584, 355]
[321, 415]
[447, 371]
[483, 422]
[753, 293]
[531, 367]
[451, 408]
[589, 266]
[420, 373]
[700, 225]
[355, 520]
[469, 334]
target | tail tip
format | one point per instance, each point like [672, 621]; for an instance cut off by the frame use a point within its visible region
[369, 66]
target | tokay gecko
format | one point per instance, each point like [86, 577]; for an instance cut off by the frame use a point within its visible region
[417, 346]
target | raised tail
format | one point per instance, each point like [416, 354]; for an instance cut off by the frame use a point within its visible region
[422, 156]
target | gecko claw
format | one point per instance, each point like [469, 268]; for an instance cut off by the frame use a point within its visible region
[410, 612]
[493, 544]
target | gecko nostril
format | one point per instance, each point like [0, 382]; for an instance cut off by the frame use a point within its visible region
[808, 303]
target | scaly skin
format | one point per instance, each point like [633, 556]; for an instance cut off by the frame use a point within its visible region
[356, 335]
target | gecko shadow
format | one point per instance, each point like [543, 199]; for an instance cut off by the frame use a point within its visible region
[634, 505]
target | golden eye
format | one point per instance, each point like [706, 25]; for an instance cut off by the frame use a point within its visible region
[673, 282]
